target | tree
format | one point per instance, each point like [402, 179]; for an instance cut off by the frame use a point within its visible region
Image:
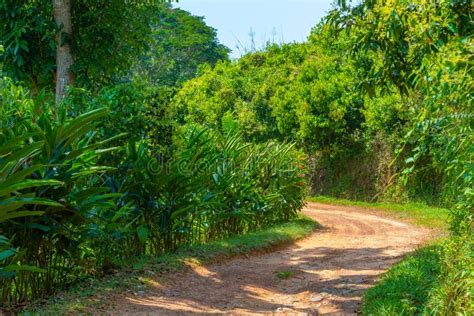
[179, 45]
[85, 41]
[296, 92]
[64, 58]
[400, 35]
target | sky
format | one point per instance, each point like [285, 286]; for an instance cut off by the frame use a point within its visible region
[279, 21]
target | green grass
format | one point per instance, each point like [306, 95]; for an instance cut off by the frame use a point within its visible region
[243, 244]
[435, 280]
[91, 293]
[283, 275]
[416, 213]
[405, 289]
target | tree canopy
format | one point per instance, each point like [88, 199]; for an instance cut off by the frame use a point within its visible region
[109, 39]
[179, 44]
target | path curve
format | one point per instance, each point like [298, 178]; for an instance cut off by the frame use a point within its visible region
[331, 270]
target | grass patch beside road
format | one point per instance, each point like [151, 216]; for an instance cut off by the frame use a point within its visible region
[415, 213]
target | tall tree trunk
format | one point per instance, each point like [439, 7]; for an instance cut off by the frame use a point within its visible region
[64, 57]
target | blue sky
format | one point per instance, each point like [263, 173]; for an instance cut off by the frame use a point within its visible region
[269, 20]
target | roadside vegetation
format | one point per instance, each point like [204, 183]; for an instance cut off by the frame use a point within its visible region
[126, 132]
[76, 204]
[94, 177]
[421, 284]
[146, 271]
[415, 285]
[407, 288]
[417, 213]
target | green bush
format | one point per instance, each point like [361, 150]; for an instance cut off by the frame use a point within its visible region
[136, 109]
[52, 179]
[214, 186]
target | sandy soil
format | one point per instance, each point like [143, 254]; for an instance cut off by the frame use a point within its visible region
[331, 269]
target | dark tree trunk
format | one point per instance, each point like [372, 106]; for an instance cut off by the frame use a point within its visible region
[64, 57]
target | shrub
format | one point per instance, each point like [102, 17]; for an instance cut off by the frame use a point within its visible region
[213, 186]
[50, 178]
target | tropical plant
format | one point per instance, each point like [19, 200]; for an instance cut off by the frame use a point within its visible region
[13, 181]
[212, 187]
[50, 191]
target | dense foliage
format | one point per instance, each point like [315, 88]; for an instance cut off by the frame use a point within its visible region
[180, 43]
[112, 41]
[356, 114]
[67, 215]
[306, 93]
[107, 34]
[106, 176]
[427, 53]
[140, 158]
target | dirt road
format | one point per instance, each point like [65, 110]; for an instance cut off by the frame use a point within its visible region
[325, 273]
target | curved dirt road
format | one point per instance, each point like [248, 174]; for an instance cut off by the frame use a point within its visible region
[330, 271]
